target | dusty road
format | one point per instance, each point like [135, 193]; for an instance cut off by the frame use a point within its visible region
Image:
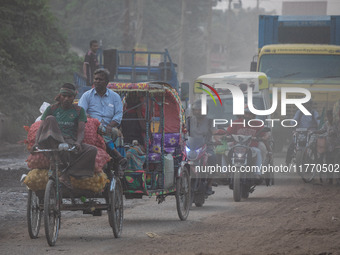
[288, 218]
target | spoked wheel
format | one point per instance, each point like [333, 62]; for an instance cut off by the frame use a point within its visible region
[237, 189]
[115, 211]
[183, 194]
[307, 173]
[51, 213]
[33, 214]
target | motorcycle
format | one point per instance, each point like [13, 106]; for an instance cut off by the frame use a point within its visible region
[241, 159]
[241, 155]
[196, 155]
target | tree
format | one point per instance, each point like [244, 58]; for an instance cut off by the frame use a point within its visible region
[34, 58]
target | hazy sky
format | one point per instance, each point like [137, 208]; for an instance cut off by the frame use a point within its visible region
[333, 6]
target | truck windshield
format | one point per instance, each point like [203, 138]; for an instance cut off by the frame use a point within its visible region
[226, 110]
[295, 66]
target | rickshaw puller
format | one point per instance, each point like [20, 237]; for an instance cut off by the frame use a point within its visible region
[64, 122]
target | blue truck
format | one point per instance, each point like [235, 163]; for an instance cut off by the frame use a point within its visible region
[274, 29]
[134, 66]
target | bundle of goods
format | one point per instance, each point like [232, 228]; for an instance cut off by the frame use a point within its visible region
[37, 178]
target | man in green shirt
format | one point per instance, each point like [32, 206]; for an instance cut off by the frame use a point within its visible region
[64, 122]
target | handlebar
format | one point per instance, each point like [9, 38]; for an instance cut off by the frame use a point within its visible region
[61, 147]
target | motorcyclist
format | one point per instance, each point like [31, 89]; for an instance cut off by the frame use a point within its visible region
[241, 127]
[201, 126]
[310, 122]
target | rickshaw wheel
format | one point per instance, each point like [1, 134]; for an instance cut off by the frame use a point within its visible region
[183, 194]
[33, 214]
[51, 213]
[115, 211]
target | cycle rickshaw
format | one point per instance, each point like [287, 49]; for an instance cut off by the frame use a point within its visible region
[156, 109]
[48, 201]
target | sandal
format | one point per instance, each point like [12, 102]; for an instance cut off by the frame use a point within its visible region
[65, 180]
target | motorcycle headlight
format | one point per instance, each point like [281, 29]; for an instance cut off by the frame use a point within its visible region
[240, 151]
[192, 154]
[301, 137]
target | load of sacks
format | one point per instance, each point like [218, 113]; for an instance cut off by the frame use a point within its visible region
[39, 164]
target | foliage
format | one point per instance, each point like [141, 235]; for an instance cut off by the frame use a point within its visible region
[34, 60]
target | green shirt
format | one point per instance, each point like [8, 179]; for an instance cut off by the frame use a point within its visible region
[67, 119]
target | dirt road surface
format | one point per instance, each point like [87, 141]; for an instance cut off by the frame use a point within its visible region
[288, 218]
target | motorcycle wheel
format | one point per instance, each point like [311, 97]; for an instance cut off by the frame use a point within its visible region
[307, 173]
[269, 176]
[237, 189]
[299, 165]
[192, 191]
[199, 200]
[245, 193]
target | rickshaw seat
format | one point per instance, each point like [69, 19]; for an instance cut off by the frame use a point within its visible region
[171, 142]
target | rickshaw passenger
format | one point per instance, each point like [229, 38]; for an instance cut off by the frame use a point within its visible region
[65, 122]
[106, 106]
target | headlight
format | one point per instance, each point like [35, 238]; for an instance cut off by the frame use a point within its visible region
[240, 151]
[301, 137]
[192, 154]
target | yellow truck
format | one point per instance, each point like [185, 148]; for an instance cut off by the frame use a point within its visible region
[304, 52]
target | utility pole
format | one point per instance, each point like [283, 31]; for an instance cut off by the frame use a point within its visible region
[181, 42]
[209, 33]
[126, 25]
[139, 25]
